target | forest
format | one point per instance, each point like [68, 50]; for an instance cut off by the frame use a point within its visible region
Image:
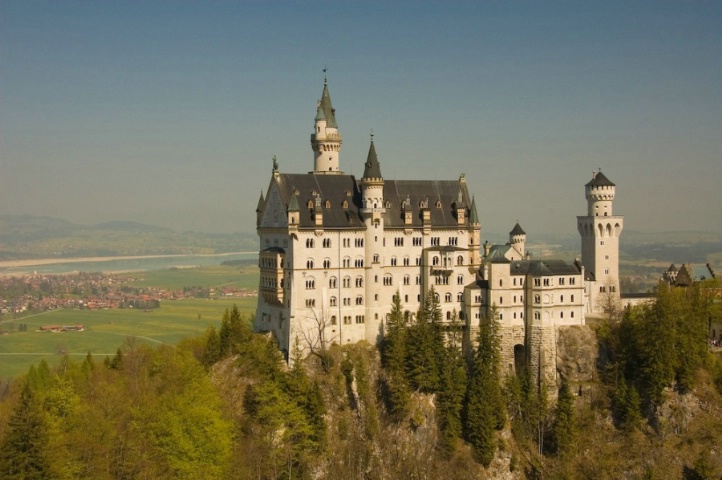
[420, 406]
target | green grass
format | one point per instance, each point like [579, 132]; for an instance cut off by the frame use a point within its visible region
[209, 276]
[106, 330]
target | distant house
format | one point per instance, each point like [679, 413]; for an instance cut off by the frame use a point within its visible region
[687, 274]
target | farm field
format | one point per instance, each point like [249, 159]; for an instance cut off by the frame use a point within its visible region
[106, 330]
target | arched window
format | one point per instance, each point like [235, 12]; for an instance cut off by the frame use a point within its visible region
[359, 300]
[393, 261]
[460, 260]
[332, 282]
[310, 284]
[388, 280]
[333, 301]
[326, 263]
[435, 260]
[346, 282]
[376, 258]
[460, 280]
[359, 281]
[459, 297]
[447, 298]
[310, 243]
[309, 263]
[333, 320]
[407, 280]
[347, 262]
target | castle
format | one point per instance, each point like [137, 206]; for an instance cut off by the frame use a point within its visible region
[335, 249]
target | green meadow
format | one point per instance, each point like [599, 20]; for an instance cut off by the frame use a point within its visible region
[107, 330]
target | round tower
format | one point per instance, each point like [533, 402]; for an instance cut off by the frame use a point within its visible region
[517, 239]
[600, 231]
[325, 139]
[373, 211]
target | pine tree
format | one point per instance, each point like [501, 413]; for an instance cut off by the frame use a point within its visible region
[485, 412]
[394, 358]
[212, 352]
[450, 399]
[564, 428]
[23, 452]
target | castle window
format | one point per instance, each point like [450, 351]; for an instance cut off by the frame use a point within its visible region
[399, 242]
[453, 241]
[345, 204]
[346, 262]
[437, 297]
[309, 243]
[406, 261]
[602, 289]
[326, 263]
[501, 300]
[571, 280]
[359, 263]
[376, 258]
[514, 298]
[393, 261]
[572, 298]
[561, 315]
[332, 282]
[561, 298]
[546, 282]
[460, 260]
[346, 242]
[418, 261]
[310, 302]
[606, 271]
[309, 263]
[346, 302]
[347, 320]
[346, 282]
[310, 204]
[435, 241]
[561, 281]
[459, 297]
[572, 314]
[359, 300]
[537, 298]
[328, 204]
[515, 282]
[417, 241]
[406, 298]
[388, 280]
[332, 301]
[360, 319]
[359, 281]
[501, 282]
[537, 316]
[310, 284]
[326, 243]
[501, 316]
[521, 315]
[418, 279]
[333, 320]
[460, 280]
[435, 260]
[448, 315]
[537, 282]
[612, 288]
[447, 298]
[407, 280]
[438, 204]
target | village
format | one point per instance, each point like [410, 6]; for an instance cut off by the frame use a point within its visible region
[93, 291]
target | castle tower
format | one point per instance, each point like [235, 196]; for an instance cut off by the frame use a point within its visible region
[517, 239]
[373, 212]
[325, 139]
[474, 234]
[600, 230]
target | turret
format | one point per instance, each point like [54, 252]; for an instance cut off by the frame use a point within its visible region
[474, 234]
[259, 211]
[294, 213]
[325, 139]
[372, 187]
[600, 195]
[517, 239]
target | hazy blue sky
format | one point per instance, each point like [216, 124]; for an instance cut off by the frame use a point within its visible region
[168, 112]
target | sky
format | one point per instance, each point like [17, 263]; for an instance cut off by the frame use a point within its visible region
[169, 112]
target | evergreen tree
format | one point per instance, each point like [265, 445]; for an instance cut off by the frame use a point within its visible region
[23, 452]
[450, 399]
[394, 359]
[212, 351]
[425, 346]
[485, 410]
[564, 428]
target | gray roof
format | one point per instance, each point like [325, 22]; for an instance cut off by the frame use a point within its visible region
[259, 207]
[339, 188]
[599, 180]
[543, 268]
[372, 169]
[517, 230]
[474, 216]
[329, 113]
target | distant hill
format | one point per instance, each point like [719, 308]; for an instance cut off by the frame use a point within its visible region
[27, 236]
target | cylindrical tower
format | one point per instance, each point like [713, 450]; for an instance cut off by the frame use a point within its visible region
[325, 139]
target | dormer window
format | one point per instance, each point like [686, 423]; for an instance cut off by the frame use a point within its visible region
[345, 204]
[438, 204]
[310, 204]
[328, 204]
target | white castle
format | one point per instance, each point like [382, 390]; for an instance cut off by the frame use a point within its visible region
[335, 249]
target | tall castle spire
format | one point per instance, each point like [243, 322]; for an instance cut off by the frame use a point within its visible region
[325, 139]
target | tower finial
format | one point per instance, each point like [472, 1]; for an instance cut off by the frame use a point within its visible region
[275, 164]
[372, 135]
[325, 81]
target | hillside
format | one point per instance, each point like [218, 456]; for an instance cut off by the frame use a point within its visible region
[25, 236]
